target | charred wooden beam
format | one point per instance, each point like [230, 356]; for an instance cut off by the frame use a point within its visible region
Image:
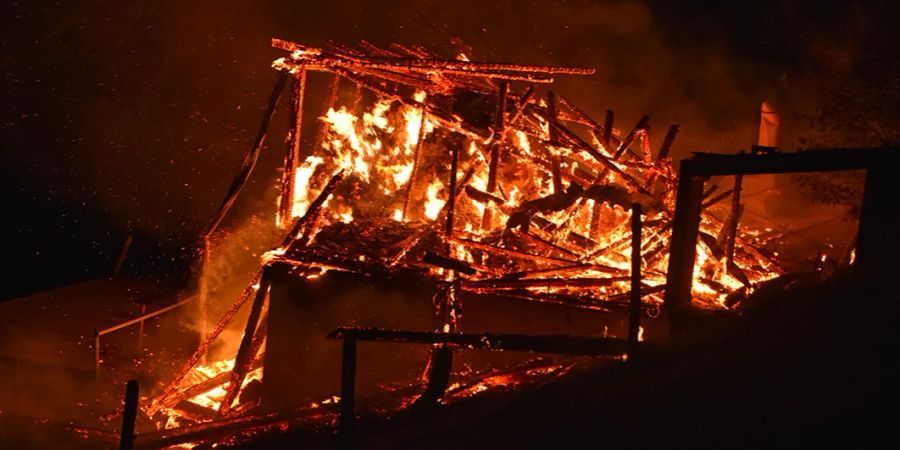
[735, 217]
[667, 142]
[448, 263]
[641, 125]
[450, 205]
[172, 387]
[252, 155]
[501, 283]
[244, 355]
[634, 307]
[129, 415]
[560, 344]
[646, 148]
[522, 103]
[496, 145]
[545, 244]
[292, 156]
[607, 129]
[572, 269]
[312, 210]
[301, 52]
[347, 420]
[506, 252]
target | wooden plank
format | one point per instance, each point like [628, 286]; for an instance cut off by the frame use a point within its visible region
[560, 344]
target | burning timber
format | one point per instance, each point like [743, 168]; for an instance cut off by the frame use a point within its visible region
[460, 173]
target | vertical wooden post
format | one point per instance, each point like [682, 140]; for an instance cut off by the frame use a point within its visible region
[129, 415]
[667, 142]
[736, 210]
[244, 356]
[496, 143]
[607, 130]
[634, 307]
[347, 419]
[554, 140]
[451, 201]
[683, 249]
[292, 156]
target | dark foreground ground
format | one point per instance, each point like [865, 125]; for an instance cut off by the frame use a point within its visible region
[810, 366]
[804, 367]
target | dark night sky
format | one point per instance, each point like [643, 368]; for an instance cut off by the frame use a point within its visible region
[121, 116]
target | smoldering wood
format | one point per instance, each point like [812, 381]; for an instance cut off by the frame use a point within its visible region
[732, 223]
[195, 412]
[501, 284]
[607, 129]
[448, 263]
[646, 148]
[667, 142]
[192, 361]
[506, 252]
[292, 155]
[522, 103]
[312, 210]
[496, 145]
[244, 355]
[641, 125]
[545, 244]
[567, 270]
[483, 197]
[558, 201]
[634, 306]
[616, 196]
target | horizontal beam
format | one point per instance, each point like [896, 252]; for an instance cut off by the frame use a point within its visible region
[144, 317]
[560, 344]
[711, 164]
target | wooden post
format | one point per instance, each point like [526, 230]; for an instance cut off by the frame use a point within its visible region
[347, 420]
[736, 210]
[683, 249]
[129, 415]
[292, 156]
[244, 357]
[634, 306]
[607, 130]
[451, 202]
[496, 143]
[554, 140]
[667, 143]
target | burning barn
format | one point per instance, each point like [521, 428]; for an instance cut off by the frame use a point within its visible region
[441, 203]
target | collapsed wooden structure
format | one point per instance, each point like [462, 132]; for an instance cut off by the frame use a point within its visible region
[534, 199]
